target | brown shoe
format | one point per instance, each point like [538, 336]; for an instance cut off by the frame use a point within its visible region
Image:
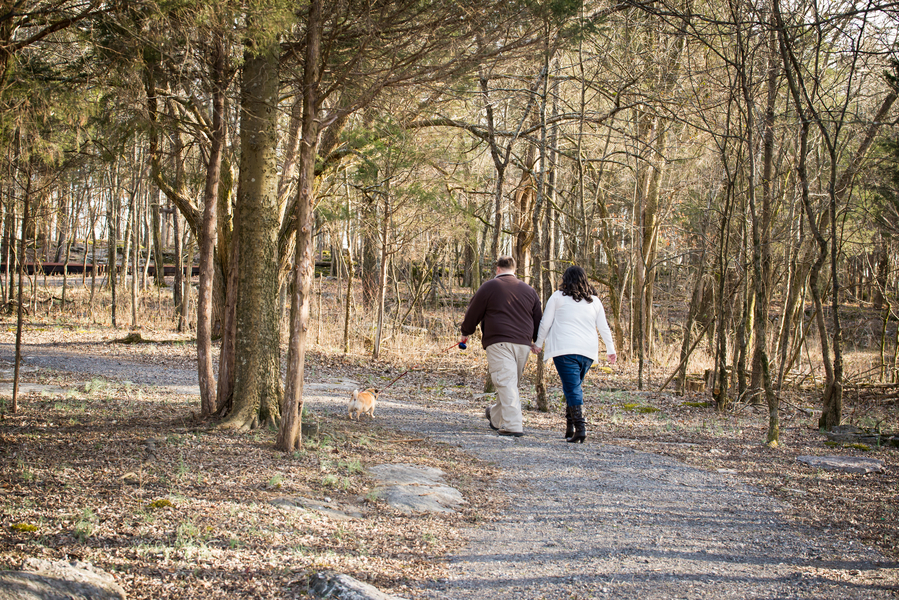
[512, 433]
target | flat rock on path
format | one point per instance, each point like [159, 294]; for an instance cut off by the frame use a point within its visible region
[843, 463]
[599, 521]
[413, 489]
[58, 580]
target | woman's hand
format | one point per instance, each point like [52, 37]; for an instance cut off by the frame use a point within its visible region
[612, 358]
[535, 348]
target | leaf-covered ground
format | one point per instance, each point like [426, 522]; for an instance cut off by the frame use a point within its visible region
[126, 478]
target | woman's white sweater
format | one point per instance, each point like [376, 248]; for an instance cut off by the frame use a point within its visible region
[570, 327]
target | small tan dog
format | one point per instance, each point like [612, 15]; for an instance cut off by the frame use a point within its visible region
[363, 401]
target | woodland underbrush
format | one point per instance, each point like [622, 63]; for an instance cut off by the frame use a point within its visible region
[128, 478]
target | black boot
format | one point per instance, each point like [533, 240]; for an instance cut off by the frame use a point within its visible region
[580, 425]
[569, 423]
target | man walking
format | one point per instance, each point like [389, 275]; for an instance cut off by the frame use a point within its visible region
[509, 313]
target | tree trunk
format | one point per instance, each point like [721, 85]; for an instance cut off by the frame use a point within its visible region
[722, 311]
[94, 217]
[9, 243]
[761, 235]
[881, 276]
[794, 286]
[640, 264]
[70, 218]
[134, 260]
[147, 241]
[692, 312]
[126, 241]
[832, 413]
[350, 269]
[20, 310]
[547, 179]
[382, 274]
[651, 223]
[369, 257]
[178, 279]
[257, 385]
[289, 434]
[184, 319]
[209, 231]
[112, 219]
[158, 256]
[883, 342]
[62, 222]
[227, 359]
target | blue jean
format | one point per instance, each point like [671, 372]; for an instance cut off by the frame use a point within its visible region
[572, 369]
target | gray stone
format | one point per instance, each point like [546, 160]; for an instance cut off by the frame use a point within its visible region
[412, 489]
[421, 498]
[404, 474]
[48, 580]
[330, 509]
[843, 463]
[327, 584]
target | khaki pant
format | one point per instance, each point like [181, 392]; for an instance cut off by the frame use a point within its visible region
[505, 362]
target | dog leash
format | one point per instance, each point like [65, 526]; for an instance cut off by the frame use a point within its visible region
[461, 345]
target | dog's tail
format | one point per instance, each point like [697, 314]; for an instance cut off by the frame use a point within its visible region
[356, 395]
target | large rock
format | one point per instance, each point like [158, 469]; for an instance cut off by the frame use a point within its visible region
[331, 509]
[417, 499]
[47, 580]
[338, 586]
[843, 463]
[403, 474]
[412, 489]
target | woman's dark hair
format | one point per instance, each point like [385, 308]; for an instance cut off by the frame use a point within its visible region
[575, 284]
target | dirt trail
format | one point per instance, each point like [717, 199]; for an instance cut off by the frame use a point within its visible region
[594, 520]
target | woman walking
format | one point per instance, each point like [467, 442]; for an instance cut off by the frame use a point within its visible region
[570, 321]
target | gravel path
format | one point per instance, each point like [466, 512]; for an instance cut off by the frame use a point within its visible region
[595, 520]
[599, 521]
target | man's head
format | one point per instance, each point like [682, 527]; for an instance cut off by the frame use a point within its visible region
[505, 264]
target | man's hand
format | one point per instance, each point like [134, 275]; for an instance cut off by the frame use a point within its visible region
[535, 349]
[463, 339]
[612, 358]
